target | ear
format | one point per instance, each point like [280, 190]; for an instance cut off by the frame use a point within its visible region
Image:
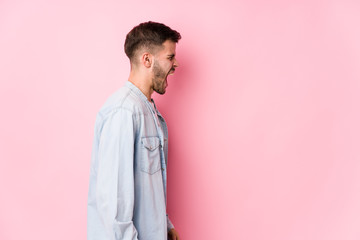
[146, 59]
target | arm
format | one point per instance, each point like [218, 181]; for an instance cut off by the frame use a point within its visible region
[115, 177]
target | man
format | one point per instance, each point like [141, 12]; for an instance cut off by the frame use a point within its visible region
[127, 192]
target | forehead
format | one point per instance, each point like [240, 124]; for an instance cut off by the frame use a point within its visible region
[169, 47]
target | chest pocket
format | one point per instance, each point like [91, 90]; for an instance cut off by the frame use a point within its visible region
[150, 159]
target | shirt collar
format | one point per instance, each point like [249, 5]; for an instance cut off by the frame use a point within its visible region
[136, 90]
[142, 96]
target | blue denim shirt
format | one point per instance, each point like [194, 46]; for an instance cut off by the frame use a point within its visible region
[127, 191]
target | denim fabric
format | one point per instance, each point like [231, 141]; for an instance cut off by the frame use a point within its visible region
[127, 191]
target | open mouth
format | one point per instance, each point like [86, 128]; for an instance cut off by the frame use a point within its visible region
[171, 72]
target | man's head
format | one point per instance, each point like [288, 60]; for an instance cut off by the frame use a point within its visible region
[148, 36]
[151, 47]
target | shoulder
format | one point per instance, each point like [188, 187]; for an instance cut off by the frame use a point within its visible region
[123, 100]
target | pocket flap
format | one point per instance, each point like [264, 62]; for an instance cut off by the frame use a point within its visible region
[151, 143]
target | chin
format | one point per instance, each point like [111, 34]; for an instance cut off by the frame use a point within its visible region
[161, 92]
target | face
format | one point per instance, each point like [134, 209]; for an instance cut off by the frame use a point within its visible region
[164, 65]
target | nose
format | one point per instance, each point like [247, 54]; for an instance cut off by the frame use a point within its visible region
[176, 64]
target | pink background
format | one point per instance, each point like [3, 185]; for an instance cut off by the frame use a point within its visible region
[263, 115]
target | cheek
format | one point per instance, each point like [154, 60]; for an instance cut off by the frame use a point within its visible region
[167, 64]
[170, 66]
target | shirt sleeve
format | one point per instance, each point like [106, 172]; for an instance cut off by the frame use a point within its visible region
[115, 176]
[169, 223]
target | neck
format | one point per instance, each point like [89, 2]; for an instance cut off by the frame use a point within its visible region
[143, 83]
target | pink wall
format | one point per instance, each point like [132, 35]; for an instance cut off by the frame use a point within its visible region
[263, 115]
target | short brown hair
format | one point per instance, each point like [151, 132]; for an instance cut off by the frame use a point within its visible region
[148, 35]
